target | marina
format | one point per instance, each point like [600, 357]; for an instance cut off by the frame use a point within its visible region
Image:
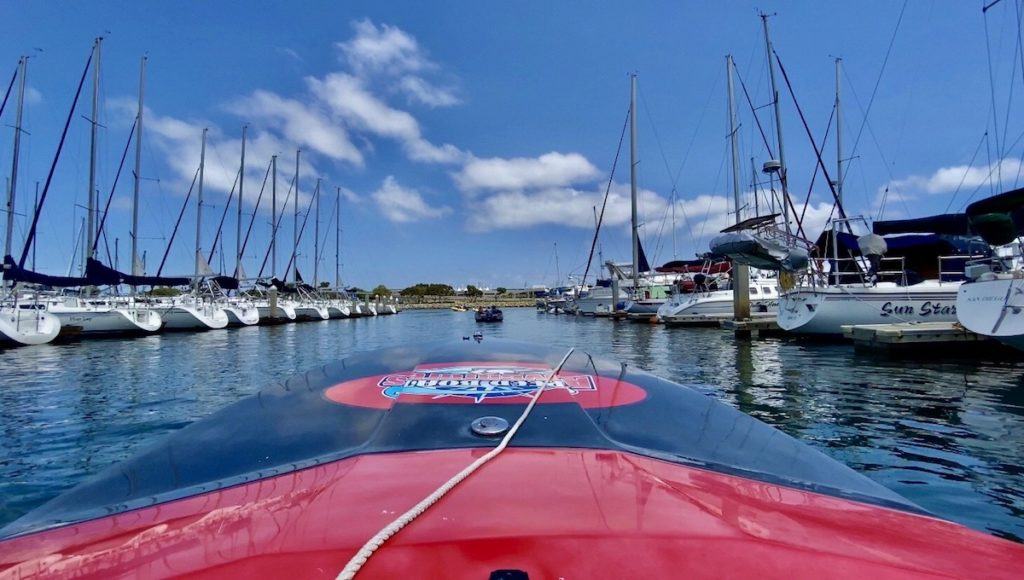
[325, 306]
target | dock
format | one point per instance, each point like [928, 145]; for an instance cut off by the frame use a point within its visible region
[753, 327]
[915, 335]
[696, 320]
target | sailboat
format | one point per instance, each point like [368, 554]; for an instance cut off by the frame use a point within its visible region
[240, 310]
[199, 309]
[83, 314]
[23, 320]
[309, 305]
[991, 301]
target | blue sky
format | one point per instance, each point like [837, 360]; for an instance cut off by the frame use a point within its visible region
[471, 138]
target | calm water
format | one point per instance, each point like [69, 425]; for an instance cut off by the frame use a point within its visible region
[948, 434]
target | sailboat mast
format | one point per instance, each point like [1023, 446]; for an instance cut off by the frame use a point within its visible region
[316, 237]
[138, 168]
[199, 205]
[273, 217]
[295, 228]
[12, 184]
[839, 136]
[632, 180]
[93, 201]
[778, 122]
[741, 274]
[238, 227]
[337, 240]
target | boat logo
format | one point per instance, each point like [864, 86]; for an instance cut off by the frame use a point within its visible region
[480, 383]
[484, 383]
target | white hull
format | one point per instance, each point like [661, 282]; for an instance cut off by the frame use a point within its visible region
[825, 310]
[311, 312]
[284, 312]
[599, 299]
[194, 317]
[718, 303]
[338, 311]
[239, 315]
[24, 326]
[89, 320]
[993, 308]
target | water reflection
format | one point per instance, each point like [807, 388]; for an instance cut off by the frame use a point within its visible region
[947, 433]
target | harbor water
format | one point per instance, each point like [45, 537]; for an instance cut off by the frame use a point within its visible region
[946, 433]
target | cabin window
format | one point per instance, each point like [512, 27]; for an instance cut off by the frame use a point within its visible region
[766, 289]
[753, 290]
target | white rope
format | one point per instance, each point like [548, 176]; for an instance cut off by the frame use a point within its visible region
[371, 546]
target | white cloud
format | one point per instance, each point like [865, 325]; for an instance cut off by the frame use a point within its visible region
[402, 204]
[383, 48]
[426, 93]
[300, 123]
[33, 96]
[948, 179]
[348, 97]
[549, 170]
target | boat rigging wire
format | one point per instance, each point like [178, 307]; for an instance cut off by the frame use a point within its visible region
[878, 81]
[967, 170]
[224, 214]
[53, 166]
[374, 543]
[113, 187]
[177, 223]
[275, 227]
[607, 190]
[10, 86]
[252, 220]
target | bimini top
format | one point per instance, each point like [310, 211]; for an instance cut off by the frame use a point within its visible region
[294, 478]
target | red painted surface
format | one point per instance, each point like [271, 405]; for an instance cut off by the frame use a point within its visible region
[552, 513]
[589, 391]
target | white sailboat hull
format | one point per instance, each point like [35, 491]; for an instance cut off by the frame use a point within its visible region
[24, 326]
[284, 312]
[194, 317]
[239, 315]
[311, 312]
[99, 320]
[993, 308]
[338, 311]
[826, 310]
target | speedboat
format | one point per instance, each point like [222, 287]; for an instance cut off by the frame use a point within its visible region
[712, 297]
[488, 459]
[490, 314]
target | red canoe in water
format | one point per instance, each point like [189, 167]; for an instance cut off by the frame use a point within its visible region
[614, 473]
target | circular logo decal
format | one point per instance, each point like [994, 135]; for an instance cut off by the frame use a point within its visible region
[483, 383]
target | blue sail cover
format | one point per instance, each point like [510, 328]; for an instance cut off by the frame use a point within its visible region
[99, 274]
[14, 273]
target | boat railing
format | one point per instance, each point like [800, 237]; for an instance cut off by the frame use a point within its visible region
[891, 269]
[952, 268]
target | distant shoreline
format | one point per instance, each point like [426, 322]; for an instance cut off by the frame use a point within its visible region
[445, 302]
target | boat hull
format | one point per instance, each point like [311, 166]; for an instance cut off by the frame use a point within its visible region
[284, 313]
[993, 308]
[307, 312]
[188, 317]
[27, 326]
[336, 311]
[824, 311]
[242, 315]
[107, 321]
[716, 304]
[629, 475]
